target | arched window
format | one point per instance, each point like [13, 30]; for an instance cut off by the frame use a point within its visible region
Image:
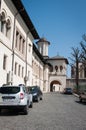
[56, 68]
[61, 68]
[8, 27]
[3, 22]
[51, 68]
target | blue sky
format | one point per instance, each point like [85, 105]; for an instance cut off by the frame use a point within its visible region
[61, 22]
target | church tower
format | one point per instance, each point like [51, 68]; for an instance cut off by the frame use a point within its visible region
[43, 47]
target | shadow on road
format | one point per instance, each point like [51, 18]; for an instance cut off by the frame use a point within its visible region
[6, 112]
[82, 103]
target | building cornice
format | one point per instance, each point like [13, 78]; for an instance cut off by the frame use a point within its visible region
[18, 5]
[59, 59]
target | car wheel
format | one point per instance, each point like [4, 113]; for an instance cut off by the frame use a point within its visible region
[25, 110]
[38, 99]
[31, 105]
[80, 99]
[0, 110]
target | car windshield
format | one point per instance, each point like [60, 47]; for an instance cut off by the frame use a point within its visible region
[68, 88]
[32, 89]
[9, 90]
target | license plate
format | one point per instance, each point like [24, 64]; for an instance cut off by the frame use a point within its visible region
[8, 100]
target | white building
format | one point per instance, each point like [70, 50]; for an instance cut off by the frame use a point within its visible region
[40, 70]
[21, 61]
[17, 34]
[57, 67]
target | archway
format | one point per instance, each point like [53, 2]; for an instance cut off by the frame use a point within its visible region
[53, 85]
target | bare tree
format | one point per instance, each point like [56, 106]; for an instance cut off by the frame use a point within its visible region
[76, 59]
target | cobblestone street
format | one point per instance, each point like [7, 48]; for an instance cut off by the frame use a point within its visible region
[55, 112]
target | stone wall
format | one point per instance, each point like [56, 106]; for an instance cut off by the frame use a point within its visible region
[71, 82]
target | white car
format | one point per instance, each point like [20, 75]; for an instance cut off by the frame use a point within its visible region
[14, 97]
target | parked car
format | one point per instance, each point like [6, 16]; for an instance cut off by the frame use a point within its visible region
[82, 96]
[36, 93]
[29, 96]
[68, 91]
[14, 97]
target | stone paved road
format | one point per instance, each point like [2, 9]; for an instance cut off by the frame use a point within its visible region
[55, 112]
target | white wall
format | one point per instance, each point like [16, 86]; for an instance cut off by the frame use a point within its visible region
[3, 73]
[6, 46]
[58, 76]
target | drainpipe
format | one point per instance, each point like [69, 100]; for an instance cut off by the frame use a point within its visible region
[26, 77]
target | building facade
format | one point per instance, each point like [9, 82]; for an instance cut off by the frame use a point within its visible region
[17, 34]
[57, 67]
[22, 60]
[40, 70]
